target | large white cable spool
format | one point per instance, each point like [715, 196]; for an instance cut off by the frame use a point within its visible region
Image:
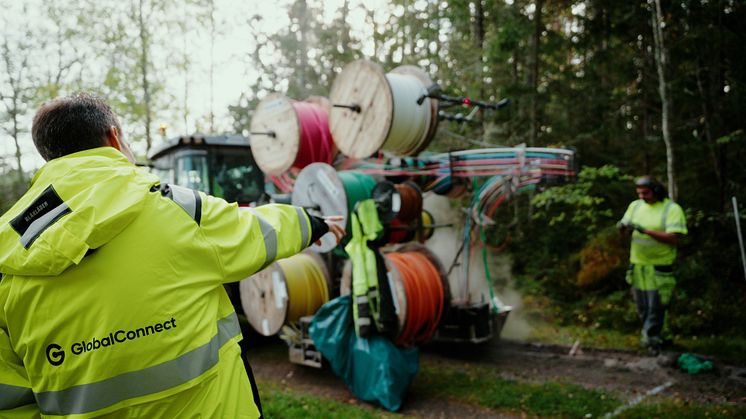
[320, 191]
[268, 299]
[275, 153]
[411, 120]
[359, 134]
[386, 114]
[426, 82]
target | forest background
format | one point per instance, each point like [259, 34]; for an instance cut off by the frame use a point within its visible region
[635, 87]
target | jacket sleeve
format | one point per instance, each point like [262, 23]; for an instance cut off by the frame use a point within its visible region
[16, 398]
[248, 239]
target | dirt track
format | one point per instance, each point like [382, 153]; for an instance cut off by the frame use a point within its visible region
[626, 374]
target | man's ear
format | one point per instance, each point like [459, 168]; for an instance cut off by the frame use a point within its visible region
[112, 138]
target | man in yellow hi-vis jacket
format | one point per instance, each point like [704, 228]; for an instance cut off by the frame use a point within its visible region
[656, 224]
[111, 301]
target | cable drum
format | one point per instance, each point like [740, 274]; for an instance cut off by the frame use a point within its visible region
[319, 189]
[284, 292]
[374, 111]
[411, 202]
[323, 192]
[426, 293]
[287, 133]
[411, 120]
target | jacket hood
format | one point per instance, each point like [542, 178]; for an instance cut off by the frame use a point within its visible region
[75, 203]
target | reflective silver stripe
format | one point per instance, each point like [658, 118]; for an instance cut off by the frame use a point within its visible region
[42, 223]
[94, 396]
[186, 199]
[304, 235]
[645, 241]
[14, 396]
[363, 321]
[270, 238]
[361, 299]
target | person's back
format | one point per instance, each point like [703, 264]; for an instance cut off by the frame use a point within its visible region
[112, 301]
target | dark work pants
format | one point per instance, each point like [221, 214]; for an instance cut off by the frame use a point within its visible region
[252, 380]
[652, 312]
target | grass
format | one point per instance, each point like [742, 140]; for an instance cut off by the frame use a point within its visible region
[475, 385]
[281, 402]
[482, 386]
[677, 409]
[610, 322]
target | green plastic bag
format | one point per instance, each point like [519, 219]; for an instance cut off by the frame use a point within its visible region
[374, 369]
[693, 364]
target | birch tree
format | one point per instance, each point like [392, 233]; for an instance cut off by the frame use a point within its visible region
[661, 61]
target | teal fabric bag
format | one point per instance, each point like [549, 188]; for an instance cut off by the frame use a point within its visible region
[374, 369]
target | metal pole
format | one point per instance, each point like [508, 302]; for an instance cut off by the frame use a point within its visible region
[740, 238]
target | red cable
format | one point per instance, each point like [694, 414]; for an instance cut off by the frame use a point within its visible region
[316, 143]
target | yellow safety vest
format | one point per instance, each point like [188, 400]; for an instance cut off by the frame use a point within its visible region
[112, 301]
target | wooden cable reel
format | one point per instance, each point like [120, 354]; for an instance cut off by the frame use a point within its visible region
[375, 111]
[287, 133]
[284, 292]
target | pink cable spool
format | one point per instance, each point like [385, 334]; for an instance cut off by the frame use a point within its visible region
[289, 134]
[316, 144]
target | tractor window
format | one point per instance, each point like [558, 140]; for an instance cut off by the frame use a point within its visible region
[235, 176]
[191, 171]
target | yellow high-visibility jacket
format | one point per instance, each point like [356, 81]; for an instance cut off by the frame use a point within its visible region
[112, 301]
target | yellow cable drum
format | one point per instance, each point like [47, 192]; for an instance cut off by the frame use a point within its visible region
[284, 292]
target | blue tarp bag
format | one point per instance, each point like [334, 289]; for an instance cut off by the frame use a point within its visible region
[374, 369]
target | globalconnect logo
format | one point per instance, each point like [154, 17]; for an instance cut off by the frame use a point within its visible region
[56, 354]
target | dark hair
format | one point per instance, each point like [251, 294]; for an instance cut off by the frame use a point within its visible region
[71, 124]
[659, 191]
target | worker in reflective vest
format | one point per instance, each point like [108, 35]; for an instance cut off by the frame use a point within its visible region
[111, 301]
[656, 224]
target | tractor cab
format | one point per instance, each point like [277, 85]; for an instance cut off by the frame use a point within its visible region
[219, 165]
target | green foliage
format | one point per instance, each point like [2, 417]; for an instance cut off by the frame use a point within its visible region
[585, 205]
[11, 187]
[603, 259]
[475, 384]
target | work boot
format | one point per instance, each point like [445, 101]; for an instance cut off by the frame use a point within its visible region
[654, 344]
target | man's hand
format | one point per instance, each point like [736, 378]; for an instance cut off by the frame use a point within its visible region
[334, 228]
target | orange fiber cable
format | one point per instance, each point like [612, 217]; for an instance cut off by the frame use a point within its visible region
[424, 293]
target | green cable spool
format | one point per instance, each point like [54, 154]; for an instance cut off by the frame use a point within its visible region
[358, 187]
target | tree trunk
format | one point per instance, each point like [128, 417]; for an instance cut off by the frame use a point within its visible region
[16, 133]
[212, 66]
[534, 74]
[479, 34]
[144, 55]
[661, 60]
